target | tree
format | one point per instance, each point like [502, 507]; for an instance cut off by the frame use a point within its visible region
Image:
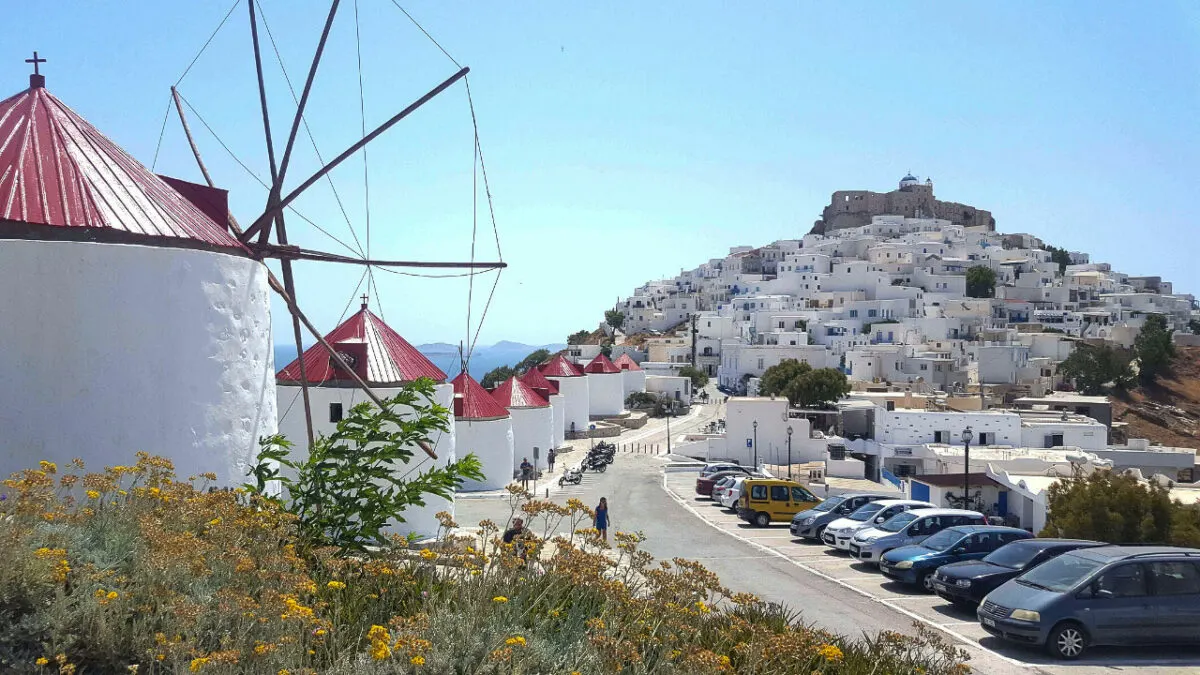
[614, 318]
[1095, 368]
[1061, 256]
[355, 481]
[777, 380]
[1112, 507]
[579, 338]
[820, 388]
[641, 399]
[495, 376]
[1194, 326]
[802, 385]
[534, 358]
[981, 282]
[1153, 348]
[698, 377]
[606, 350]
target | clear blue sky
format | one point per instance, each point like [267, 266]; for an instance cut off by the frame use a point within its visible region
[626, 141]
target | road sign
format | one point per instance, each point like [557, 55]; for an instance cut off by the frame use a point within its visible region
[536, 452]
[592, 427]
[749, 443]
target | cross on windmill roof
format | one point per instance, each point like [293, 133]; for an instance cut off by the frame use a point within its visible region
[36, 80]
[365, 297]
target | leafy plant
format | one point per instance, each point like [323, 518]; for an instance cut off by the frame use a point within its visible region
[981, 282]
[803, 385]
[354, 482]
[614, 318]
[1095, 368]
[698, 377]
[1154, 348]
[579, 338]
[1120, 509]
[496, 375]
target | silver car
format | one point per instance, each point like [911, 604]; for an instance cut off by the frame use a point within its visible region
[839, 532]
[730, 497]
[906, 529]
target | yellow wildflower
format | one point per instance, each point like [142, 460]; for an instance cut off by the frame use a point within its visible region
[92, 494]
[335, 585]
[427, 554]
[380, 651]
[214, 522]
[112, 595]
[723, 660]
[830, 652]
[284, 671]
[417, 660]
[516, 640]
[500, 598]
[41, 661]
[48, 467]
[197, 664]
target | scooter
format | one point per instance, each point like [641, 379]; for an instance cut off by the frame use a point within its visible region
[595, 464]
[571, 477]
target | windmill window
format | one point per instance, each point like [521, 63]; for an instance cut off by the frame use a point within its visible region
[335, 412]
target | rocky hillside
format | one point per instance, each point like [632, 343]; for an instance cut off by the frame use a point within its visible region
[1169, 411]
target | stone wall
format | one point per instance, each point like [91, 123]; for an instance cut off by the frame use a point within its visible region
[855, 208]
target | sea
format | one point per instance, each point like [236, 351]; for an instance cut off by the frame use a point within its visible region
[445, 356]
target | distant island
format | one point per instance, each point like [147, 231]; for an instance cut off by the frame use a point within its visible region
[445, 356]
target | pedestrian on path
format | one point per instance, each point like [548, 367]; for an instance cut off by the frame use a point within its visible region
[550, 459]
[601, 522]
[526, 473]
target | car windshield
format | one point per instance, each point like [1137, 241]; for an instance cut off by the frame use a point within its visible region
[898, 522]
[1060, 574]
[942, 540]
[829, 504]
[865, 511]
[1013, 556]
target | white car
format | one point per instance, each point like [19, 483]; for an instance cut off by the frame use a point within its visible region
[838, 533]
[720, 487]
[730, 497]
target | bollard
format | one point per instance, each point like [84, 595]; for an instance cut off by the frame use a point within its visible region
[547, 493]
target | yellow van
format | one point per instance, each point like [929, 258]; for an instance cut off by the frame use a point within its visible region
[772, 500]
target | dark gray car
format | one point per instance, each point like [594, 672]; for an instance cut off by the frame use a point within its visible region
[811, 523]
[1107, 595]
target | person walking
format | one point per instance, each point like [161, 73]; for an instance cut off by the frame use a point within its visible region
[601, 522]
[526, 473]
[550, 459]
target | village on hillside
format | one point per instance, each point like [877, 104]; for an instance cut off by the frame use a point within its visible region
[940, 325]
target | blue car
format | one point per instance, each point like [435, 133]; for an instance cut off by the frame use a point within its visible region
[916, 564]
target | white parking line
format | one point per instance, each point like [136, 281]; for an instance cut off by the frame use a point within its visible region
[891, 604]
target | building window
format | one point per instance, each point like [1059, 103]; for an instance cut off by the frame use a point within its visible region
[905, 470]
[335, 412]
[837, 453]
[760, 363]
[941, 437]
[1054, 440]
[853, 313]
[872, 313]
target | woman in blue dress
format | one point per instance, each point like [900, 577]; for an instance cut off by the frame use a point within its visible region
[601, 522]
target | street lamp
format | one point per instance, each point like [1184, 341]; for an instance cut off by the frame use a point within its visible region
[789, 452]
[756, 445]
[670, 409]
[966, 439]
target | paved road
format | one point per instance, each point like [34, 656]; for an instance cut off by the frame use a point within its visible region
[827, 590]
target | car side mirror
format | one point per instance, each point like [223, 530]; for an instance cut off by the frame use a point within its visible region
[880, 519]
[959, 550]
[1103, 593]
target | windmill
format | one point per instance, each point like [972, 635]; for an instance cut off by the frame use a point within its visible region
[266, 237]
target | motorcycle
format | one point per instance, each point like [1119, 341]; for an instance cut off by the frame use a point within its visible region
[571, 477]
[595, 464]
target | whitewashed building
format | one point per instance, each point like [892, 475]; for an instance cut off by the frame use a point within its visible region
[606, 387]
[385, 361]
[548, 390]
[134, 320]
[633, 378]
[573, 385]
[532, 422]
[484, 428]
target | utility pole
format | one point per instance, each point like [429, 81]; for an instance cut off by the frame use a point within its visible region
[694, 331]
[966, 439]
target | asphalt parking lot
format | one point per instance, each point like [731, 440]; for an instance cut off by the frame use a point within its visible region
[860, 579]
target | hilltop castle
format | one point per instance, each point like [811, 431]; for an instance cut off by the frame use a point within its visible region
[913, 199]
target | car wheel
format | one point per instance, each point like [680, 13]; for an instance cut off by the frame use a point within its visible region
[926, 582]
[762, 519]
[1067, 641]
[820, 532]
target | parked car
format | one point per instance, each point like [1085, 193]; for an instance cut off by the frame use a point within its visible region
[713, 467]
[811, 524]
[905, 529]
[1105, 595]
[916, 564]
[771, 500]
[704, 484]
[965, 583]
[838, 533]
[731, 495]
[721, 486]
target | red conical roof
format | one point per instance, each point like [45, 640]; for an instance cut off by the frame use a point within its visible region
[56, 170]
[601, 366]
[559, 366]
[626, 362]
[535, 379]
[513, 393]
[473, 402]
[380, 356]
